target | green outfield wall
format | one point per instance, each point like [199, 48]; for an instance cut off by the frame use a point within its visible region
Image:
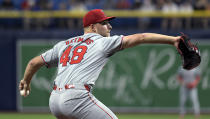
[143, 77]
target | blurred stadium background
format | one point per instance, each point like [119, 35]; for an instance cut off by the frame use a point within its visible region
[128, 84]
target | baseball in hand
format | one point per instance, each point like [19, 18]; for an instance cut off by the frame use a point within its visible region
[22, 92]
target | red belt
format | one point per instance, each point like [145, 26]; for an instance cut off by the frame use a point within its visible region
[87, 87]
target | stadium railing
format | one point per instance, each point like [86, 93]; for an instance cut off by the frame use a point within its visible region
[117, 13]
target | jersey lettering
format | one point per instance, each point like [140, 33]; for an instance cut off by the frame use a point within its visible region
[78, 54]
[80, 39]
[67, 42]
[88, 41]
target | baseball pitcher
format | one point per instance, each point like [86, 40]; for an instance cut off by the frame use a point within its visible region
[79, 61]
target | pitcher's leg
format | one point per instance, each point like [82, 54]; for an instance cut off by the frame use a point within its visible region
[97, 110]
[54, 105]
[85, 107]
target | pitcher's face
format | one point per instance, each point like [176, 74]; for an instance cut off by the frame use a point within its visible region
[103, 28]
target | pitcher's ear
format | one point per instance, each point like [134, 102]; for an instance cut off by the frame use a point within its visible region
[93, 27]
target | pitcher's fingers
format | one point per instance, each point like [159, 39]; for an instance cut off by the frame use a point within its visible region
[25, 86]
[21, 86]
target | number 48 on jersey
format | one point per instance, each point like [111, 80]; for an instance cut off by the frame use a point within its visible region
[78, 54]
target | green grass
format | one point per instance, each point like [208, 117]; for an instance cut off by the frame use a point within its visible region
[158, 116]
[120, 116]
[25, 116]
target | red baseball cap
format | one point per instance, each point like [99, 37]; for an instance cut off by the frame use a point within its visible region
[95, 16]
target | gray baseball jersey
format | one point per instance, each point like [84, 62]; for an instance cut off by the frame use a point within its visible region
[80, 60]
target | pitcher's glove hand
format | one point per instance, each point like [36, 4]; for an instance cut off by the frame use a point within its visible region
[190, 53]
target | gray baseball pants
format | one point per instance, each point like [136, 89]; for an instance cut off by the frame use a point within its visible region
[186, 93]
[78, 104]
